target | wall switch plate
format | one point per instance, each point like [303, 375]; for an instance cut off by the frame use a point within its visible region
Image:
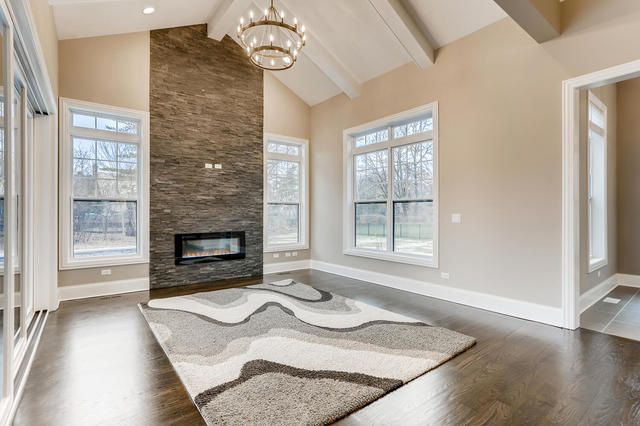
[444, 275]
[218, 166]
[456, 218]
[208, 166]
[276, 255]
[294, 253]
[287, 254]
[105, 272]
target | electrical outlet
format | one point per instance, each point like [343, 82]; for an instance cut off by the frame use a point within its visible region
[287, 254]
[599, 273]
[105, 272]
[294, 253]
[276, 255]
[456, 218]
[444, 275]
[208, 166]
[218, 166]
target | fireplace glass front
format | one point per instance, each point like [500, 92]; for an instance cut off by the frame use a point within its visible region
[209, 247]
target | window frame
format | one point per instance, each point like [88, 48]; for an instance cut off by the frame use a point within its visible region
[350, 150]
[67, 107]
[303, 225]
[595, 263]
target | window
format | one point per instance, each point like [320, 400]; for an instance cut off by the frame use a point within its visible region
[391, 205]
[104, 193]
[597, 183]
[286, 193]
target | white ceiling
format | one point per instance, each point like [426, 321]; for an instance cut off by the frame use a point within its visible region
[88, 18]
[350, 36]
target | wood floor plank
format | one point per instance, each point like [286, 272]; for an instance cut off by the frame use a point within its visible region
[99, 363]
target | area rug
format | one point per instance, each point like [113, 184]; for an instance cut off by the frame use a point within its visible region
[288, 353]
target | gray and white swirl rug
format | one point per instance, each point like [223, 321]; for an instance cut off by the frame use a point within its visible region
[288, 353]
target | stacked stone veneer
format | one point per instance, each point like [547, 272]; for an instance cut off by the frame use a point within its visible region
[206, 106]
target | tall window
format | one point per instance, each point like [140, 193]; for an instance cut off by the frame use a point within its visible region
[597, 183]
[104, 167]
[391, 188]
[286, 188]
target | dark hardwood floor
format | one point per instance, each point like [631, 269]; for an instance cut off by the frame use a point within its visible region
[98, 363]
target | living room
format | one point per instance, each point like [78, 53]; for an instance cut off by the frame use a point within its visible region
[297, 212]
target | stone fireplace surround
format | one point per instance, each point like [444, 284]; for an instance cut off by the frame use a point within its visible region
[206, 106]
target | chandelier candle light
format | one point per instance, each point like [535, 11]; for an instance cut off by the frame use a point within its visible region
[270, 42]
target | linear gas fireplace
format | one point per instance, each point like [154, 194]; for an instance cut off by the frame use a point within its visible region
[209, 247]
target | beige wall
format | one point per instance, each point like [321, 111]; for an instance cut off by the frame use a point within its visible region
[499, 97]
[111, 70]
[629, 177]
[500, 119]
[46, 29]
[608, 95]
[284, 114]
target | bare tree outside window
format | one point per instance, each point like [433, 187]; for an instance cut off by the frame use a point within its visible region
[105, 190]
[409, 209]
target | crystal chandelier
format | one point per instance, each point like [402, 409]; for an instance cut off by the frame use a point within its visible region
[270, 42]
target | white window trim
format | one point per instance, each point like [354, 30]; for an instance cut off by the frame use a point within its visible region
[304, 193]
[349, 149]
[66, 196]
[598, 263]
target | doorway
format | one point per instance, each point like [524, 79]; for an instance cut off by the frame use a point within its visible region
[599, 282]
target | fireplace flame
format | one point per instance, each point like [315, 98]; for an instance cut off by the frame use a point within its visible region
[203, 253]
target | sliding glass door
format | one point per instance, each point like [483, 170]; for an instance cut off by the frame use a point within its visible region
[16, 216]
[6, 211]
[21, 205]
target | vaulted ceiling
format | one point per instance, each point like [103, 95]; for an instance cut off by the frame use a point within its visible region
[349, 42]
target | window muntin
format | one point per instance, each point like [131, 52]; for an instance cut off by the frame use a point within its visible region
[104, 198]
[413, 127]
[89, 120]
[393, 197]
[372, 137]
[285, 194]
[597, 183]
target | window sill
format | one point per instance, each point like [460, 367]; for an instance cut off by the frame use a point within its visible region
[98, 263]
[285, 247]
[595, 264]
[426, 261]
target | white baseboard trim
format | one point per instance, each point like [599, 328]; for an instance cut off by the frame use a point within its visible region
[628, 280]
[502, 305]
[275, 268]
[589, 298]
[107, 288]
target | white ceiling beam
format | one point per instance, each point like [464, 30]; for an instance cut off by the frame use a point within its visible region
[225, 18]
[331, 67]
[326, 61]
[227, 15]
[402, 25]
